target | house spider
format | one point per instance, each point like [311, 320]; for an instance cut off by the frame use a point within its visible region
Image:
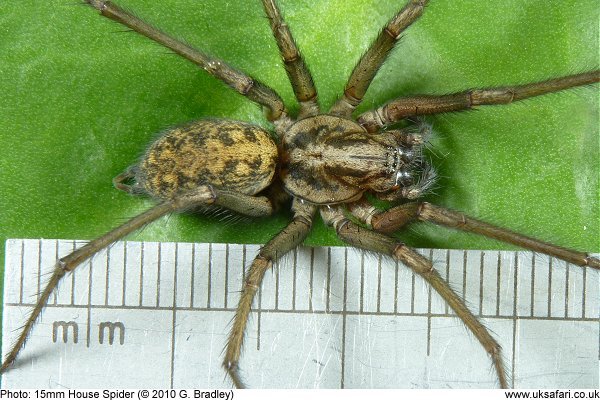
[400, 164]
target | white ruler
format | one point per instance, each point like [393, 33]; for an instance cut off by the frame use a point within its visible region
[157, 315]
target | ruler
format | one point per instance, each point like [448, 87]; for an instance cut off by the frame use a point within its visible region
[145, 314]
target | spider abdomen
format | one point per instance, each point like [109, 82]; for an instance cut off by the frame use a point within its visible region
[227, 154]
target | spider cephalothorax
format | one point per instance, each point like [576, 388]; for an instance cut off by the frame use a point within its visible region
[331, 160]
[325, 161]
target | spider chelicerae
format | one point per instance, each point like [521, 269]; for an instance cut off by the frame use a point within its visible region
[388, 165]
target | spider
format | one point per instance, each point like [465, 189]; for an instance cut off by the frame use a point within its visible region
[416, 183]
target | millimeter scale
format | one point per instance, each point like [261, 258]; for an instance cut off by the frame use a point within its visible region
[146, 314]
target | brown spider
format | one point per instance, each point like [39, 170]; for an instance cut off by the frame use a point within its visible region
[327, 162]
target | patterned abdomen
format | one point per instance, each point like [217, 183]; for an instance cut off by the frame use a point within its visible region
[227, 154]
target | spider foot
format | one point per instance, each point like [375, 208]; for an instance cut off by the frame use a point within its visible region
[6, 364]
[97, 4]
[233, 370]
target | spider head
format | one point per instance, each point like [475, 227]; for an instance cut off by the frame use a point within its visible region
[412, 182]
[329, 160]
[408, 175]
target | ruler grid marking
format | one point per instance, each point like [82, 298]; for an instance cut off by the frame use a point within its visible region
[73, 246]
[225, 290]
[378, 282]
[88, 332]
[481, 272]
[244, 261]
[106, 282]
[464, 276]
[412, 292]
[56, 257]
[380, 286]
[276, 272]
[158, 270]
[446, 306]
[174, 317]
[311, 279]
[208, 290]
[328, 285]
[259, 313]
[567, 292]
[375, 305]
[39, 272]
[532, 289]
[142, 273]
[514, 320]
[124, 281]
[550, 287]
[294, 283]
[583, 292]
[498, 280]
[301, 311]
[429, 289]
[362, 281]
[396, 268]
[21, 273]
[192, 276]
[343, 361]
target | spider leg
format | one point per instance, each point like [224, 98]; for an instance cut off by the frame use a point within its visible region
[290, 237]
[371, 61]
[252, 206]
[374, 241]
[397, 217]
[204, 195]
[71, 261]
[411, 106]
[296, 69]
[237, 80]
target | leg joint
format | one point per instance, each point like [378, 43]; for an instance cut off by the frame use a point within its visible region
[412, 259]
[230, 366]
[97, 4]
[592, 262]
[61, 264]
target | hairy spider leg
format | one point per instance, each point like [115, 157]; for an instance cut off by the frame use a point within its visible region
[397, 217]
[367, 239]
[71, 261]
[411, 106]
[237, 80]
[286, 240]
[297, 71]
[375, 56]
[203, 195]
